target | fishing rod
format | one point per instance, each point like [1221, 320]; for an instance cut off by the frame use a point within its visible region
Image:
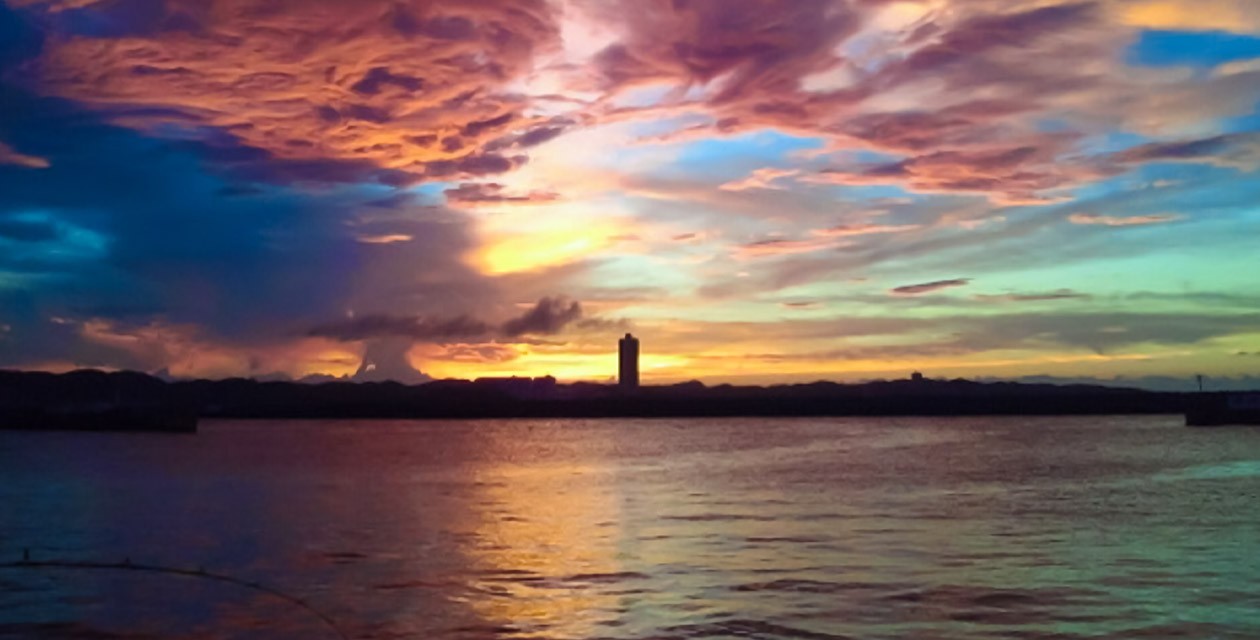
[127, 565]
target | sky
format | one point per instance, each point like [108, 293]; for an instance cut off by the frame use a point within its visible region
[763, 191]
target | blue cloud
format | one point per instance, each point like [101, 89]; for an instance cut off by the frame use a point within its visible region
[133, 229]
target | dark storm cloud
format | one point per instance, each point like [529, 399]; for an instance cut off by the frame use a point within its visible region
[548, 316]
[473, 166]
[485, 193]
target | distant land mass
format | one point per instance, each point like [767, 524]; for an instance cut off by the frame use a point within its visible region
[27, 393]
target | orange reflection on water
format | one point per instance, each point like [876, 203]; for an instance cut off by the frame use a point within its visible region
[546, 546]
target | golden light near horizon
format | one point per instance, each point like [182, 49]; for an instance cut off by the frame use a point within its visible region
[571, 366]
[523, 239]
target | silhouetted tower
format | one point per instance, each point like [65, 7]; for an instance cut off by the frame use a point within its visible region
[628, 362]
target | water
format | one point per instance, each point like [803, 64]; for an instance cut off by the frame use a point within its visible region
[1032, 528]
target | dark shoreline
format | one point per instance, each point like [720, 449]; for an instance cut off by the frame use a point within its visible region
[27, 394]
[725, 407]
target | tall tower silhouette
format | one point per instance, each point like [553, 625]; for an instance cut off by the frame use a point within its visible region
[628, 362]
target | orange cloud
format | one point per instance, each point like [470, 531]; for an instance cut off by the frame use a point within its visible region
[416, 87]
[185, 351]
[1239, 16]
[1128, 221]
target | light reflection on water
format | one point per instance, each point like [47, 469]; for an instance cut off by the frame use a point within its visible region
[801, 528]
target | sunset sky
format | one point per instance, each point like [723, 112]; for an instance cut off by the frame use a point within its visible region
[762, 191]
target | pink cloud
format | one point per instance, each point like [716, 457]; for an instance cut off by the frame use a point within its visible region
[846, 230]
[1054, 61]
[763, 178]
[389, 238]
[1006, 174]
[433, 90]
[9, 155]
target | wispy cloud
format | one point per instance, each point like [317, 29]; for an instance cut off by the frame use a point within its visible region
[388, 238]
[847, 230]
[781, 247]
[1237, 150]
[1126, 221]
[763, 178]
[1061, 294]
[9, 155]
[801, 304]
[929, 287]
[474, 194]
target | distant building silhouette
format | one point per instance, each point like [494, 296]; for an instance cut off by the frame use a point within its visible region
[916, 377]
[628, 362]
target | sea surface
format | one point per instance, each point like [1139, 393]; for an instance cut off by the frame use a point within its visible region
[814, 529]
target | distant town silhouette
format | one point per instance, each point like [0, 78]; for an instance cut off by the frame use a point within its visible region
[91, 399]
